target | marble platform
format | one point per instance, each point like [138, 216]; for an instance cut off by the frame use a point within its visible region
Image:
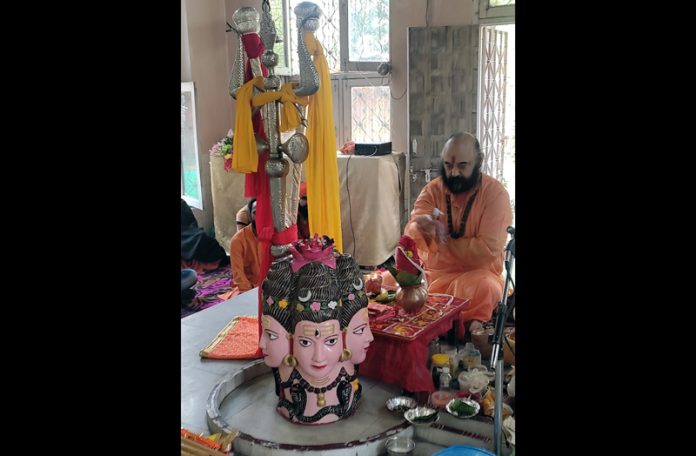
[250, 406]
[251, 409]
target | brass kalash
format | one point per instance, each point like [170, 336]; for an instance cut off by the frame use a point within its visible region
[314, 322]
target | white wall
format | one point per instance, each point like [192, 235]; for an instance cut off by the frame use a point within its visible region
[205, 62]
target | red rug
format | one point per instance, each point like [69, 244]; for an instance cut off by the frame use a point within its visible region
[208, 288]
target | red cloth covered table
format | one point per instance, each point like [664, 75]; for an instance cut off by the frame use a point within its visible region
[396, 356]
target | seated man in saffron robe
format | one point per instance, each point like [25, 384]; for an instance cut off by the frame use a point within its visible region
[459, 222]
[242, 217]
[244, 255]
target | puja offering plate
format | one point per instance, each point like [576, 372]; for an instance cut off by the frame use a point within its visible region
[463, 408]
[401, 404]
[421, 416]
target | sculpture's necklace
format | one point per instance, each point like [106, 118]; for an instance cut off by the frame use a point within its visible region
[321, 400]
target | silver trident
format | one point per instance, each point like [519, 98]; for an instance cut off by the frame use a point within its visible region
[246, 20]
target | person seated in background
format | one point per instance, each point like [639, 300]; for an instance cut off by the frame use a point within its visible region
[199, 251]
[189, 277]
[244, 255]
[242, 217]
[459, 222]
[303, 214]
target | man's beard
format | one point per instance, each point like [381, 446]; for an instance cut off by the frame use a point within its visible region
[460, 184]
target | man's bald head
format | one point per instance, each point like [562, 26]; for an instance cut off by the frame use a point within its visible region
[462, 140]
[461, 162]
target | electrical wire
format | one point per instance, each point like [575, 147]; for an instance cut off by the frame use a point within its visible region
[398, 174]
[350, 206]
[427, 13]
[400, 96]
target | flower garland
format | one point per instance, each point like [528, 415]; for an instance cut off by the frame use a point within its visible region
[223, 148]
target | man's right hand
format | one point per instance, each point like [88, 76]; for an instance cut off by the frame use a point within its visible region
[427, 227]
[430, 229]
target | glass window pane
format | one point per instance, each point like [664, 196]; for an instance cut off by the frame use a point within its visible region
[277, 16]
[190, 179]
[368, 30]
[370, 112]
[328, 34]
[493, 3]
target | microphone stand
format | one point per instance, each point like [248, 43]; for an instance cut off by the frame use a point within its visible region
[497, 358]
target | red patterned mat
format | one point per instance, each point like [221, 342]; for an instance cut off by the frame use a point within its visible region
[239, 339]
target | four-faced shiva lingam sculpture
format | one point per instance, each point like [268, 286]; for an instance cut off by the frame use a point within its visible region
[315, 331]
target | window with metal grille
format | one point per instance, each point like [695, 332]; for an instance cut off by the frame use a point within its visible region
[492, 9]
[496, 130]
[355, 38]
[364, 102]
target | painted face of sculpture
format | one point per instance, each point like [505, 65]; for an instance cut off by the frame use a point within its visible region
[317, 347]
[359, 336]
[274, 341]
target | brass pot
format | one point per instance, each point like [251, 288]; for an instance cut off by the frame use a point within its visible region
[412, 298]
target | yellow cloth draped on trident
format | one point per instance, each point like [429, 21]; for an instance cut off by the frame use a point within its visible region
[322, 164]
[245, 158]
